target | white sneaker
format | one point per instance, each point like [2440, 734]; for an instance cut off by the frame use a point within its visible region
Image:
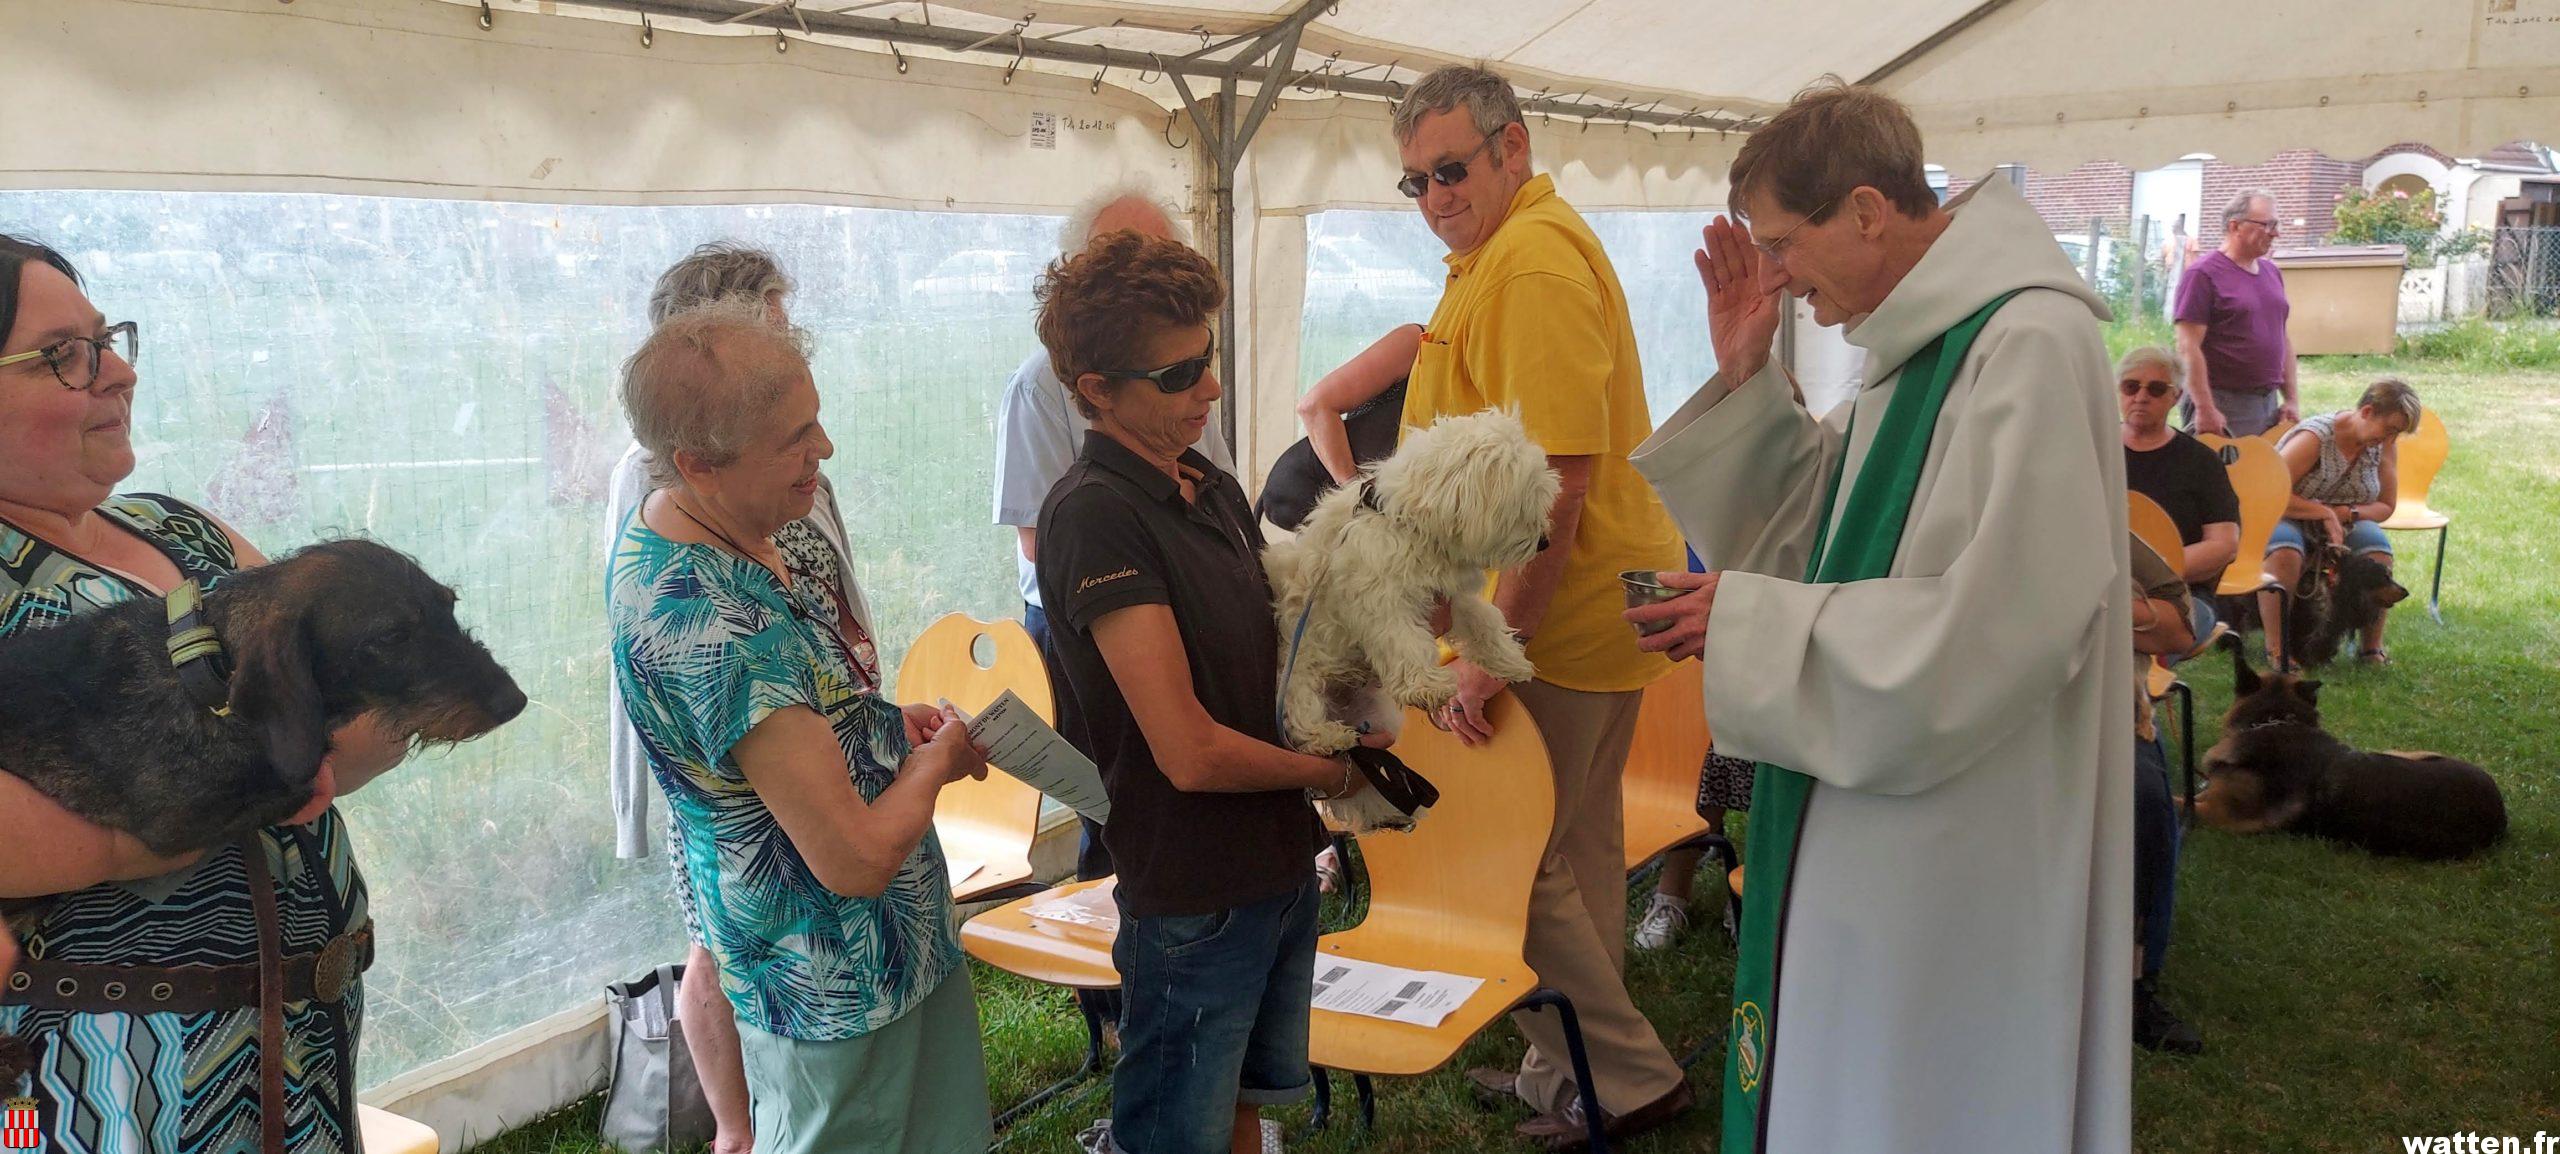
[1665, 919]
[1096, 1139]
[1271, 1137]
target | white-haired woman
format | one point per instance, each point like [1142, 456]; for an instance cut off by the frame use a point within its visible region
[747, 277]
[2346, 481]
[2182, 474]
[803, 800]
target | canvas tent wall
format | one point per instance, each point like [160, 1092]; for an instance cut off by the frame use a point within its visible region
[583, 109]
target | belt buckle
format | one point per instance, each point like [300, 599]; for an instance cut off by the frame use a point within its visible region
[335, 969]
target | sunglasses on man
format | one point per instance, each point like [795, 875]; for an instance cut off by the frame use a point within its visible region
[1178, 377]
[1446, 176]
[2156, 389]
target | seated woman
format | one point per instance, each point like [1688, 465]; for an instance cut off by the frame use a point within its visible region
[802, 799]
[1150, 569]
[2345, 468]
[144, 1072]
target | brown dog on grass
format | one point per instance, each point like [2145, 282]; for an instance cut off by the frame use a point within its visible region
[2276, 769]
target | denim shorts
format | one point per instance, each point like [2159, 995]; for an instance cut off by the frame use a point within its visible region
[1216, 1016]
[2363, 537]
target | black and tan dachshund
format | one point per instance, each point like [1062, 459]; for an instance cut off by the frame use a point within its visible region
[2275, 769]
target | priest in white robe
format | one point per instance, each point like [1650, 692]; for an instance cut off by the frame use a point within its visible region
[1940, 914]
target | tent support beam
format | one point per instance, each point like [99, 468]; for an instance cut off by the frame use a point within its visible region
[1916, 52]
[1257, 54]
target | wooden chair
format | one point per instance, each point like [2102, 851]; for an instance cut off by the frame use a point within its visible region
[1053, 953]
[2264, 486]
[2422, 456]
[2152, 525]
[2275, 433]
[987, 823]
[1660, 789]
[387, 1133]
[1452, 896]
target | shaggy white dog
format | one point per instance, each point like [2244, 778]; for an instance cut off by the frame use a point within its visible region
[1467, 496]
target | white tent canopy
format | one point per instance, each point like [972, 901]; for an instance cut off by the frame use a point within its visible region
[1019, 108]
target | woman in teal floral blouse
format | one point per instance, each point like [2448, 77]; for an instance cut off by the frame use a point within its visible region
[803, 800]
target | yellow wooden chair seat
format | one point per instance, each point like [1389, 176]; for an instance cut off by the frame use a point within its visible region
[1734, 880]
[2422, 455]
[987, 824]
[2415, 515]
[387, 1133]
[1660, 788]
[1050, 952]
[2160, 680]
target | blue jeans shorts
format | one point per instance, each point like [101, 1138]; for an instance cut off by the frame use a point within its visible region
[2363, 537]
[1216, 1017]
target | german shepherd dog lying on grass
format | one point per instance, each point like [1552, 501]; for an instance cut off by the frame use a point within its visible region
[94, 715]
[2276, 769]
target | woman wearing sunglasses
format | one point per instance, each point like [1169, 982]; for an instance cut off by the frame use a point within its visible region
[2179, 472]
[1151, 572]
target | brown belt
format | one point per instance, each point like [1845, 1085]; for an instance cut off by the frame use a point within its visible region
[270, 984]
[106, 989]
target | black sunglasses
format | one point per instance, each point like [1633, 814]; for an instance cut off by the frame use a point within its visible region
[1178, 377]
[2155, 388]
[1452, 173]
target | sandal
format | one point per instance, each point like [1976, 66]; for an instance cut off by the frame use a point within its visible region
[2373, 657]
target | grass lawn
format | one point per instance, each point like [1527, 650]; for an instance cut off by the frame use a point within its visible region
[2345, 1001]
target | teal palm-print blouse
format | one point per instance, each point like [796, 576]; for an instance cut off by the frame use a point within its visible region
[706, 644]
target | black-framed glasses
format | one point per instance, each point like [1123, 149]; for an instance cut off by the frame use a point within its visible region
[75, 360]
[1447, 175]
[2156, 389]
[1178, 377]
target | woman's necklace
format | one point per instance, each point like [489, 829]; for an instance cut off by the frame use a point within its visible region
[708, 527]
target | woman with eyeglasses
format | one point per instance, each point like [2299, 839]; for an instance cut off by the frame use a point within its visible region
[141, 1060]
[2346, 481]
[2179, 472]
[1150, 568]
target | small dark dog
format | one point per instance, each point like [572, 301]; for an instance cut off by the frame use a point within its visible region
[2358, 590]
[2276, 769]
[92, 713]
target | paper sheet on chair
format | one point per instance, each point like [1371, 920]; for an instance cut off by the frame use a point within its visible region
[1021, 744]
[1091, 907]
[1421, 997]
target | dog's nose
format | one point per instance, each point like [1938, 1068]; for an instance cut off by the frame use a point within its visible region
[504, 706]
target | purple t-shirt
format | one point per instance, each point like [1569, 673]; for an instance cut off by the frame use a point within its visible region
[2243, 315]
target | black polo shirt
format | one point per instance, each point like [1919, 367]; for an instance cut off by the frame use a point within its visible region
[1115, 532]
[2188, 480]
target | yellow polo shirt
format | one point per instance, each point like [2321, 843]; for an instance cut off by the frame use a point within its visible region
[1534, 321]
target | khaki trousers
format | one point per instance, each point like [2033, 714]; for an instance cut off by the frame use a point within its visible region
[1578, 911]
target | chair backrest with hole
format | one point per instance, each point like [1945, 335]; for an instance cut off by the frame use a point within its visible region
[971, 663]
[2264, 486]
[2422, 456]
[1453, 893]
[1660, 787]
[2151, 523]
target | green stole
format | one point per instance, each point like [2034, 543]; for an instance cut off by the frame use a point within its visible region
[1869, 533]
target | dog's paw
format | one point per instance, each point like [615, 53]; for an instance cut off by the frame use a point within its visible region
[1428, 690]
[1323, 739]
[1506, 660]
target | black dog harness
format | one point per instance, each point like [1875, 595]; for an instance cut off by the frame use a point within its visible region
[204, 669]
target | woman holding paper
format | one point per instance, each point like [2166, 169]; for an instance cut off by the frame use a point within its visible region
[802, 800]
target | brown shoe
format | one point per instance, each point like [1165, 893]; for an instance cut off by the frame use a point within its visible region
[1566, 1132]
[1494, 1089]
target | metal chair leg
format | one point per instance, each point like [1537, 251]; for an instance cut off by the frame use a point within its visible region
[2435, 588]
[1320, 1115]
[1367, 1089]
[2187, 740]
[1092, 1065]
[1592, 1120]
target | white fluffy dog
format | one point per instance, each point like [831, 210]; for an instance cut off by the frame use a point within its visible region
[1464, 497]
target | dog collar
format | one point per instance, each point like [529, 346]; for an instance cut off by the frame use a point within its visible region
[1369, 494]
[204, 670]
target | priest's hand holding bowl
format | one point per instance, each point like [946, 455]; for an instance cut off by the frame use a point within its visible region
[1677, 627]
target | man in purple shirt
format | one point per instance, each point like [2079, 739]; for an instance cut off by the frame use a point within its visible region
[2231, 314]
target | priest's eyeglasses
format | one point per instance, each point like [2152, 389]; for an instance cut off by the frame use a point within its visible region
[1776, 248]
[75, 360]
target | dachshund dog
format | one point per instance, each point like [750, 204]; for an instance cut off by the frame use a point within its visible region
[2358, 590]
[1355, 589]
[93, 713]
[2276, 769]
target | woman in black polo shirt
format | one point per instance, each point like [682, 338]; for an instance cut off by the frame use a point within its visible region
[1150, 568]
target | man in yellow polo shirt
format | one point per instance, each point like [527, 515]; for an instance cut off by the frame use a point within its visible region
[1533, 320]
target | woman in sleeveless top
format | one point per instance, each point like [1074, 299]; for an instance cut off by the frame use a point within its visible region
[191, 1082]
[2345, 468]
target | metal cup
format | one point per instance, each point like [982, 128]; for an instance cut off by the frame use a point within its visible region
[1643, 589]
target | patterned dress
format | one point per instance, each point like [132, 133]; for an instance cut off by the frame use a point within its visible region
[182, 1083]
[706, 645]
